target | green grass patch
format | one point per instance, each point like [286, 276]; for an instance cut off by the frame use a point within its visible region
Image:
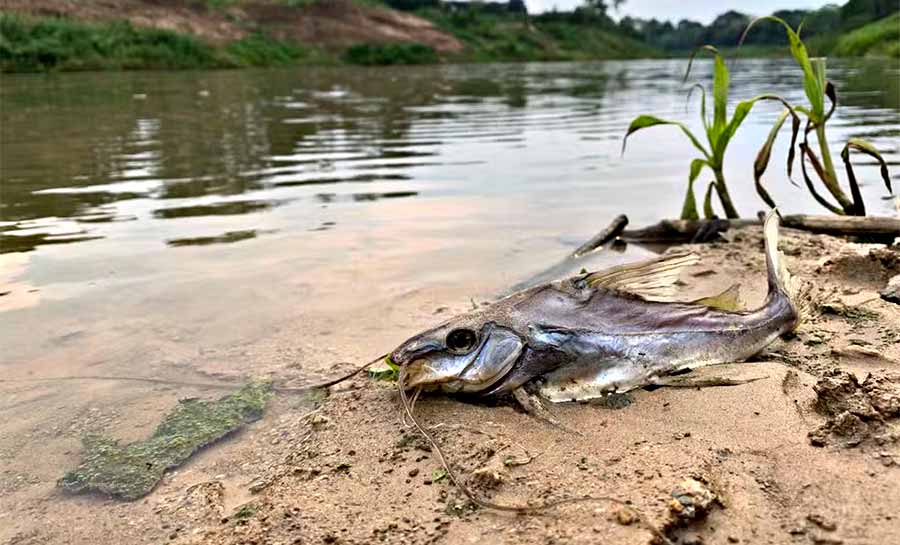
[260, 50]
[880, 38]
[30, 44]
[36, 45]
[491, 37]
[387, 54]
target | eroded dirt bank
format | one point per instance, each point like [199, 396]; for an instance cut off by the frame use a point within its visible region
[808, 454]
[335, 23]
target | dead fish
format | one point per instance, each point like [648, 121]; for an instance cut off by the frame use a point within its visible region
[599, 332]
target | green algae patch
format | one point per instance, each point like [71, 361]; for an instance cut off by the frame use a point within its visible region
[131, 471]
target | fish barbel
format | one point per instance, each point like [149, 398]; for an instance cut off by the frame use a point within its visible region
[595, 333]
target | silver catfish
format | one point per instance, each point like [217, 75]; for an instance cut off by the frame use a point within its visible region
[595, 333]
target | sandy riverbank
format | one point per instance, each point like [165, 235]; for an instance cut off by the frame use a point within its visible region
[805, 455]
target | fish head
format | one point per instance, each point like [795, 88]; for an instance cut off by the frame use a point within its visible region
[462, 355]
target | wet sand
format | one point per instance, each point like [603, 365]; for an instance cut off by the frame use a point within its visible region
[350, 471]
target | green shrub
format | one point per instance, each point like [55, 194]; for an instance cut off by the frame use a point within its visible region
[881, 38]
[261, 50]
[386, 54]
[53, 43]
[37, 45]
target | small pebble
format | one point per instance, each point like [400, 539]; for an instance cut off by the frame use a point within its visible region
[625, 517]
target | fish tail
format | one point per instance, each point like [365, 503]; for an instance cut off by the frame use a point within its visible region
[783, 286]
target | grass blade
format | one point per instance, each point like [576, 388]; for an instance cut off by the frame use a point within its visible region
[707, 47]
[859, 207]
[708, 211]
[689, 208]
[831, 93]
[740, 113]
[763, 156]
[720, 88]
[646, 121]
[805, 152]
[818, 87]
[813, 77]
[696, 166]
[795, 131]
[702, 104]
[720, 94]
[868, 149]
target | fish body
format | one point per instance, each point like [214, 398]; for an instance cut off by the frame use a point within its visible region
[595, 333]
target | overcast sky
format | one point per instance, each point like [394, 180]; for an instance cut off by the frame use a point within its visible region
[674, 10]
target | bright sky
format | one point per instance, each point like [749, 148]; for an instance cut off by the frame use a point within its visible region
[703, 11]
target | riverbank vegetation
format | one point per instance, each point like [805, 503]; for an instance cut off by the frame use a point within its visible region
[881, 38]
[31, 44]
[492, 34]
[869, 21]
[138, 34]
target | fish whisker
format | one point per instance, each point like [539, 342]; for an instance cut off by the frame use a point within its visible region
[521, 509]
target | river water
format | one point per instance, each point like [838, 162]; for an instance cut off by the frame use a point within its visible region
[232, 224]
[220, 202]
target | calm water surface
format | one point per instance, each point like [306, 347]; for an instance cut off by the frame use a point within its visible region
[142, 181]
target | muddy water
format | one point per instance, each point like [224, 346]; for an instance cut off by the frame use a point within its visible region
[220, 225]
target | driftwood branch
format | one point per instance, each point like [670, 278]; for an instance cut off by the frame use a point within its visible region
[613, 230]
[845, 225]
[674, 231]
[685, 231]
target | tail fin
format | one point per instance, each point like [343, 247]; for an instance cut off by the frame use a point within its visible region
[781, 283]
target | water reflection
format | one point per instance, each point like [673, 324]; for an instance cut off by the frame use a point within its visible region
[217, 209]
[363, 197]
[86, 153]
[29, 242]
[224, 238]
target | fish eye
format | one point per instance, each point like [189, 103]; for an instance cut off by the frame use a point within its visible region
[461, 340]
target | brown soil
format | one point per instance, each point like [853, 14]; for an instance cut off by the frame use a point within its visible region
[770, 461]
[328, 23]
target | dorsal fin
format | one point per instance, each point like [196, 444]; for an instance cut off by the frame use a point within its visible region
[730, 299]
[653, 279]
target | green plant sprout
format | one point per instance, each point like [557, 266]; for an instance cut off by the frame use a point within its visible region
[719, 132]
[817, 89]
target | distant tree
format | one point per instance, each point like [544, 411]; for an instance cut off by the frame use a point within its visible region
[517, 6]
[602, 6]
[726, 29]
[856, 13]
[774, 34]
[687, 35]
[824, 19]
[412, 5]
[629, 26]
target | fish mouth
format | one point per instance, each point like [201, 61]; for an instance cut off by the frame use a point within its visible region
[419, 373]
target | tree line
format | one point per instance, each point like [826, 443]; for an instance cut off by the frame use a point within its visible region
[725, 30]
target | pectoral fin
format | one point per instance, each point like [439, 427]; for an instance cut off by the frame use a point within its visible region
[730, 299]
[534, 407]
[651, 279]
